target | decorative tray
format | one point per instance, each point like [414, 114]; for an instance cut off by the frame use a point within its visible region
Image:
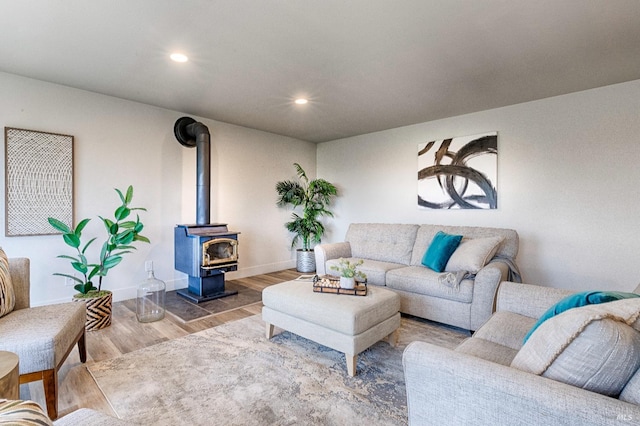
[331, 284]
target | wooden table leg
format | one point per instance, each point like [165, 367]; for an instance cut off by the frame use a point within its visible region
[269, 330]
[352, 360]
[392, 339]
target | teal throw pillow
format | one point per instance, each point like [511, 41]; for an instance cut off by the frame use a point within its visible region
[577, 300]
[440, 250]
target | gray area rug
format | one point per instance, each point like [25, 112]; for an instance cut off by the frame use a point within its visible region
[232, 375]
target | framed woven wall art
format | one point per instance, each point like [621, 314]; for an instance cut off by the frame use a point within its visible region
[459, 173]
[38, 179]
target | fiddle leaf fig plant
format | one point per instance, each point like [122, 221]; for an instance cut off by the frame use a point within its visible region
[121, 234]
[313, 196]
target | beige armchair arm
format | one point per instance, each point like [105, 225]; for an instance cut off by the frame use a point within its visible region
[19, 270]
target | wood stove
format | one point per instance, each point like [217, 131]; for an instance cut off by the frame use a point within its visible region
[205, 253]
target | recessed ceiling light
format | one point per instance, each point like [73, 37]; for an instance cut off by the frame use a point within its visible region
[301, 101]
[178, 57]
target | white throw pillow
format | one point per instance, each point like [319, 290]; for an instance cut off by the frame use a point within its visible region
[593, 347]
[472, 254]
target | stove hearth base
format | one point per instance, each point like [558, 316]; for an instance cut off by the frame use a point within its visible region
[205, 289]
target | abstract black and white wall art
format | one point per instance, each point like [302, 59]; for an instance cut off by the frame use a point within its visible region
[39, 181]
[459, 173]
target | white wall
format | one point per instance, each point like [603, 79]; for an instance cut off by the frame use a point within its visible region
[568, 178]
[118, 143]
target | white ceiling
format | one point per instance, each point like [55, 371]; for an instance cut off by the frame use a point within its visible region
[365, 65]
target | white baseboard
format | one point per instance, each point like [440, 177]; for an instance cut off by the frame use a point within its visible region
[132, 292]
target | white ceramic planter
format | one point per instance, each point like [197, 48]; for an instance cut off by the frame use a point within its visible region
[348, 283]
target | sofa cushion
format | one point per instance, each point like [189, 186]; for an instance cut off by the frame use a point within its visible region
[7, 295]
[473, 253]
[440, 250]
[376, 271]
[383, 242]
[505, 328]
[421, 280]
[487, 350]
[593, 347]
[577, 300]
[631, 392]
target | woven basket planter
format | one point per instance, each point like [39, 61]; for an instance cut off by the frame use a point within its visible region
[98, 311]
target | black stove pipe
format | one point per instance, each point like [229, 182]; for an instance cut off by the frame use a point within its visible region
[191, 133]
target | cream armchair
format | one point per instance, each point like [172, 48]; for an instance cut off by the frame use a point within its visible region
[43, 336]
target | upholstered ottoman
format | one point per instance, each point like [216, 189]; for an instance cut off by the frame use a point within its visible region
[346, 323]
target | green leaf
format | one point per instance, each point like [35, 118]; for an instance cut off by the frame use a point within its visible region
[64, 256]
[122, 197]
[105, 248]
[125, 237]
[80, 267]
[59, 226]
[138, 228]
[113, 229]
[72, 240]
[85, 288]
[94, 271]
[129, 196]
[141, 238]
[87, 245]
[81, 226]
[111, 261]
[128, 224]
[122, 212]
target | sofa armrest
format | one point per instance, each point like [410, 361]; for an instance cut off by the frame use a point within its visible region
[324, 252]
[485, 286]
[448, 387]
[528, 299]
[19, 271]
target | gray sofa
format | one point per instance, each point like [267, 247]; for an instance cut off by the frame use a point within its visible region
[476, 384]
[392, 254]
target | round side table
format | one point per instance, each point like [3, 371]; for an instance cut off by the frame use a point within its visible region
[9, 376]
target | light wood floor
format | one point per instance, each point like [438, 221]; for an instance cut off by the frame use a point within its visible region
[126, 334]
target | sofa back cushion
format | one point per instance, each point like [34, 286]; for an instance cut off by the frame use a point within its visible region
[595, 347]
[382, 241]
[507, 248]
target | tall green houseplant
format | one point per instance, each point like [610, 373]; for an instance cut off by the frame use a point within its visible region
[313, 196]
[121, 234]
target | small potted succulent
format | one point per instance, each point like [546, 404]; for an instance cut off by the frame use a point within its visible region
[348, 271]
[121, 234]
